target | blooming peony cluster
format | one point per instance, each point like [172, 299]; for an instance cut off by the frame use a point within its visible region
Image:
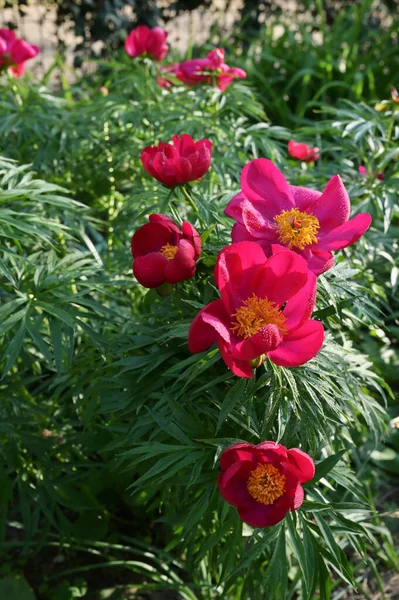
[14, 52]
[212, 70]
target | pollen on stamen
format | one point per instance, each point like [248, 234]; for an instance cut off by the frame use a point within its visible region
[169, 251]
[255, 313]
[297, 229]
[266, 484]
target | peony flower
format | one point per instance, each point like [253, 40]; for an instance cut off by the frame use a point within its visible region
[275, 214]
[264, 482]
[264, 310]
[164, 254]
[212, 70]
[15, 52]
[145, 41]
[302, 151]
[363, 171]
[179, 162]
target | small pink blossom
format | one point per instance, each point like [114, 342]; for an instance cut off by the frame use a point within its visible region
[14, 52]
[145, 41]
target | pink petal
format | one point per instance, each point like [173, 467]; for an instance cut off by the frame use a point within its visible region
[346, 234]
[234, 270]
[241, 368]
[265, 187]
[208, 326]
[333, 207]
[298, 497]
[300, 346]
[234, 207]
[303, 463]
[8, 36]
[320, 262]
[300, 306]
[266, 339]
[280, 278]
[304, 197]
[22, 51]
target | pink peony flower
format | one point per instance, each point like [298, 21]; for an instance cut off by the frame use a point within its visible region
[264, 309]
[15, 52]
[394, 94]
[279, 216]
[145, 41]
[181, 161]
[303, 151]
[212, 70]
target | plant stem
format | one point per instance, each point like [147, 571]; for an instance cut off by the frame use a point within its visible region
[190, 200]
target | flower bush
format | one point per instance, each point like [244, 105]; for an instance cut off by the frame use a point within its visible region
[120, 421]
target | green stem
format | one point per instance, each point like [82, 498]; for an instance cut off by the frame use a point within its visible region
[190, 200]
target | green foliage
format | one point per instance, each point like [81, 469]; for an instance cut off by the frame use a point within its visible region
[110, 429]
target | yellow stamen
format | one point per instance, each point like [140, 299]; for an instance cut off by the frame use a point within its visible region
[256, 313]
[266, 484]
[297, 229]
[169, 251]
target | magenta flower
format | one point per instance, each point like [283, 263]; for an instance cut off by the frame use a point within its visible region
[145, 41]
[15, 52]
[277, 215]
[212, 70]
[264, 310]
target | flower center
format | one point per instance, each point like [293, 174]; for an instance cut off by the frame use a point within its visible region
[256, 313]
[169, 251]
[266, 484]
[297, 229]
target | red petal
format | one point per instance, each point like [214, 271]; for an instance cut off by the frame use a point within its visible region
[242, 451]
[150, 238]
[300, 346]
[149, 270]
[346, 234]
[272, 452]
[208, 326]
[192, 235]
[232, 484]
[303, 463]
[182, 266]
[262, 515]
